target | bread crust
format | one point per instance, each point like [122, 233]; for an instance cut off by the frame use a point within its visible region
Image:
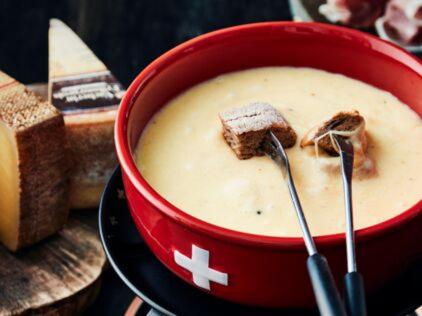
[245, 129]
[341, 121]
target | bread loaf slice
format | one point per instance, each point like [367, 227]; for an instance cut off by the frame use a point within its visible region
[246, 128]
[87, 94]
[33, 167]
[345, 124]
[344, 121]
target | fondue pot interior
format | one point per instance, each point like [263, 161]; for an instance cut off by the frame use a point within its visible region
[247, 268]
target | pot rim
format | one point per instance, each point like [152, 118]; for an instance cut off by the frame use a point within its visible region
[137, 180]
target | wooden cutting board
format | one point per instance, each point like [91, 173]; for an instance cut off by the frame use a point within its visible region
[60, 275]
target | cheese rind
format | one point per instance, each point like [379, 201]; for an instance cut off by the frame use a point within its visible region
[34, 186]
[87, 94]
[91, 148]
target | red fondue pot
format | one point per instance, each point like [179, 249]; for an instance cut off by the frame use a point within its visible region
[247, 268]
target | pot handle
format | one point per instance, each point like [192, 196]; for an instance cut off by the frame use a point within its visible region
[325, 289]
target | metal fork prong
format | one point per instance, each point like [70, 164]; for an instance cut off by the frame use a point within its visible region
[347, 156]
[307, 237]
[276, 156]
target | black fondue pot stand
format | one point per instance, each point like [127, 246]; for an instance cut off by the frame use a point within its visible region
[163, 293]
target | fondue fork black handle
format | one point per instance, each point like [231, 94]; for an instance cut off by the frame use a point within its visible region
[325, 290]
[354, 287]
[355, 294]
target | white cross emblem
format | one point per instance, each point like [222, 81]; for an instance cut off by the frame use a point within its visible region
[202, 274]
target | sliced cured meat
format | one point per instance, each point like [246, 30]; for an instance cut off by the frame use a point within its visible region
[359, 13]
[403, 21]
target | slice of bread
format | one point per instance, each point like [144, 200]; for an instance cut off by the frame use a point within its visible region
[341, 121]
[246, 128]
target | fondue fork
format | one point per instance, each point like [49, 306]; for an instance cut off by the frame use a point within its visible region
[325, 290]
[354, 288]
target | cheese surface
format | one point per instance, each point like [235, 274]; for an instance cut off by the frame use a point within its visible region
[69, 55]
[184, 157]
[9, 187]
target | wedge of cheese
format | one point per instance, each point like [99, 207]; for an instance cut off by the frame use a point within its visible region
[33, 167]
[87, 95]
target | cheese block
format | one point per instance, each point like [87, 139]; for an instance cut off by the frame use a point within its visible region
[33, 167]
[87, 94]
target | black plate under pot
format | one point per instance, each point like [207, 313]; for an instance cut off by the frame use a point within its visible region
[166, 294]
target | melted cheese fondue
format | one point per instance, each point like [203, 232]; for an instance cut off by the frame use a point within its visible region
[184, 157]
